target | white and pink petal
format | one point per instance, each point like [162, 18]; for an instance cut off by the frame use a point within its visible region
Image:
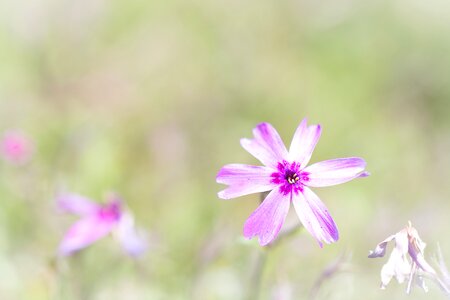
[267, 146]
[244, 179]
[266, 221]
[334, 171]
[315, 217]
[132, 239]
[76, 204]
[303, 143]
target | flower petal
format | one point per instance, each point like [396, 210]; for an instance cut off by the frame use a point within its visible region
[416, 250]
[419, 259]
[133, 240]
[76, 204]
[244, 180]
[267, 145]
[266, 221]
[380, 250]
[335, 171]
[83, 233]
[303, 143]
[401, 242]
[315, 217]
[397, 265]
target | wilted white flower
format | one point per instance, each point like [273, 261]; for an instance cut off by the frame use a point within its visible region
[407, 260]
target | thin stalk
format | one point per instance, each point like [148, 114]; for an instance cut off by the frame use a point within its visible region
[332, 269]
[254, 291]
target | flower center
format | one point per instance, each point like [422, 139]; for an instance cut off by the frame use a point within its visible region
[289, 177]
[110, 211]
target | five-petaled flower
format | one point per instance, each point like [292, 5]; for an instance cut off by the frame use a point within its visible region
[285, 173]
[97, 221]
[407, 244]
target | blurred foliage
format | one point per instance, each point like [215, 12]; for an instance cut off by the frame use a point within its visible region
[150, 98]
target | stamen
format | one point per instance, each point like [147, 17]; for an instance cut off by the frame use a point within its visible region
[290, 177]
[293, 178]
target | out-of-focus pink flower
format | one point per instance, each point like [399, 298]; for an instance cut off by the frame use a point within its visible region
[97, 221]
[406, 259]
[286, 175]
[133, 239]
[16, 147]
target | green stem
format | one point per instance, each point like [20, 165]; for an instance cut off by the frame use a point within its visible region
[255, 285]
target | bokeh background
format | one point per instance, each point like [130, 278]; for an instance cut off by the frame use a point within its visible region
[150, 98]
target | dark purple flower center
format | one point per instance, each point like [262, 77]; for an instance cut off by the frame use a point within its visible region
[289, 177]
[111, 211]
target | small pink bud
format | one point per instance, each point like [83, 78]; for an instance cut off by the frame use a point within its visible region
[16, 147]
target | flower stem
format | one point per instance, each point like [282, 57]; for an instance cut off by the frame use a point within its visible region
[255, 285]
[443, 286]
[332, 269]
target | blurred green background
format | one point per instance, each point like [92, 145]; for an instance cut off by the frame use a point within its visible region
[150, 98]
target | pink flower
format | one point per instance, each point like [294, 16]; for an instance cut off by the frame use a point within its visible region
[288, 178]
[98, 221]
[16, 147]
[406, 259]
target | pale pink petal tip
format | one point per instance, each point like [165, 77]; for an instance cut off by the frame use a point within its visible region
[315, 217]
[266, 221]
[266, 146]
[364, 174]
[335, 171]
[76, 204]
[133, 240]
[303, 143]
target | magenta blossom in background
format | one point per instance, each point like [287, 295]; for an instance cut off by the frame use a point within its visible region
[288, 178]
[16, 147]
[97, 221]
